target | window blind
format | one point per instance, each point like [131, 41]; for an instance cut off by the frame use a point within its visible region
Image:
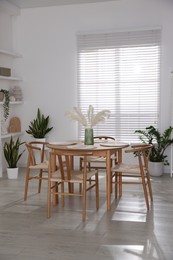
[120, 71]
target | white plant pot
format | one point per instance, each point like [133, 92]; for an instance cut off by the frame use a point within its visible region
[12, 173]
[39, 140]
[155, 168]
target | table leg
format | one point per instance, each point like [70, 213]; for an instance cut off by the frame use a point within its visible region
[108, 179]
[54, 168]
[120, 174]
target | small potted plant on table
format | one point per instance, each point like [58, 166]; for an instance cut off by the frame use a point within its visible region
[12, 156]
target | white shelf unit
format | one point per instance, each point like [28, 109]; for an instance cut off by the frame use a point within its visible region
[14, 103]
[10, 78]
[6, 54]
[7, 136]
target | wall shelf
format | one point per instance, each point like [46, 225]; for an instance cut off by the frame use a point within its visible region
[13, 103]
[7, 136]
[10, 53]
[10, 78]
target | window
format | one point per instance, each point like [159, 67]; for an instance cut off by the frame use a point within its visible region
[121, 72]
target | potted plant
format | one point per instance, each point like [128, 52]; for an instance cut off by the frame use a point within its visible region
[160, 142]
[39, 126]
[6, 102]
[12, 156]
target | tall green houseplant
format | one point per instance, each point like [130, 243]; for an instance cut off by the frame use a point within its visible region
[159, 141]
[39, 127]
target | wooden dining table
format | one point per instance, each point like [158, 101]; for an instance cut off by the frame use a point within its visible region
[98, 149]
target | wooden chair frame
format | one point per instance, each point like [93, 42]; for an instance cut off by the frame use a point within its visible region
[33, 164]
[67, 175]
[141, 170]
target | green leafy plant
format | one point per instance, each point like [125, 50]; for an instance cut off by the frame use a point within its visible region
[11, 152]
[6, 103]
[159, 141]
[39, 126]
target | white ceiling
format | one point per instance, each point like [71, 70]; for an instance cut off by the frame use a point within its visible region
[43, 3]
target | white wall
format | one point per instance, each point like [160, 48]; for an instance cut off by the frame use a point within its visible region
[47, 40]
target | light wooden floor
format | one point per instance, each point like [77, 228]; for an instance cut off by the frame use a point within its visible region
[127, 232]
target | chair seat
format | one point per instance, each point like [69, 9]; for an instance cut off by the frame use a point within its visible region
[76, 176]
[99, 159]
[126, 168]
[43, 165]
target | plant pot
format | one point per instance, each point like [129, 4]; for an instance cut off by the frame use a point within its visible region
[39, 140]
[12, 173]
[155, 168]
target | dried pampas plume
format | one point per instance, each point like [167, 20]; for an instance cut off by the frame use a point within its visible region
[91, 119]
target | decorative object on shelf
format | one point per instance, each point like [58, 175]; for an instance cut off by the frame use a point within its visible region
[89, 120]
[5, 72]
[160, 143]
[39, 127]
[14, 125]
[16, 92]
[12, 99]
[6, 103]
[12, 156]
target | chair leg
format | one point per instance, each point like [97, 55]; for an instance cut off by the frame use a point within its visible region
[40, 181]
[145, 192]
[84, 202]
[116, 185]
[26, 184]
[49, 200]
[149, 186]
[62, 191]
[120, 185]
[97, 190]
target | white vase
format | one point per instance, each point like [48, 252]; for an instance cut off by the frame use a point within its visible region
[12, 173]
[155, 168]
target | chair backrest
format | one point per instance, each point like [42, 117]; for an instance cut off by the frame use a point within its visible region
[65, 160]
[143, 152]
[36, 152]
[104, 137]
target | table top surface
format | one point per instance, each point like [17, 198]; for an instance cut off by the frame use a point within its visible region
[79, 145]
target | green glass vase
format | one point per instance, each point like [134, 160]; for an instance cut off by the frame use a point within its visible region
[89, 138]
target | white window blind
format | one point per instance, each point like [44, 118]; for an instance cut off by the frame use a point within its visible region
[121, 72]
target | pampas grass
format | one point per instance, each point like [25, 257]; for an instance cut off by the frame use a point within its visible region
[90, 119]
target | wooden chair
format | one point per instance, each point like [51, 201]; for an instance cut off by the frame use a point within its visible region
[94, 162]
[99, 163]
[37, 164]
[139, 171]
[66, 175]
